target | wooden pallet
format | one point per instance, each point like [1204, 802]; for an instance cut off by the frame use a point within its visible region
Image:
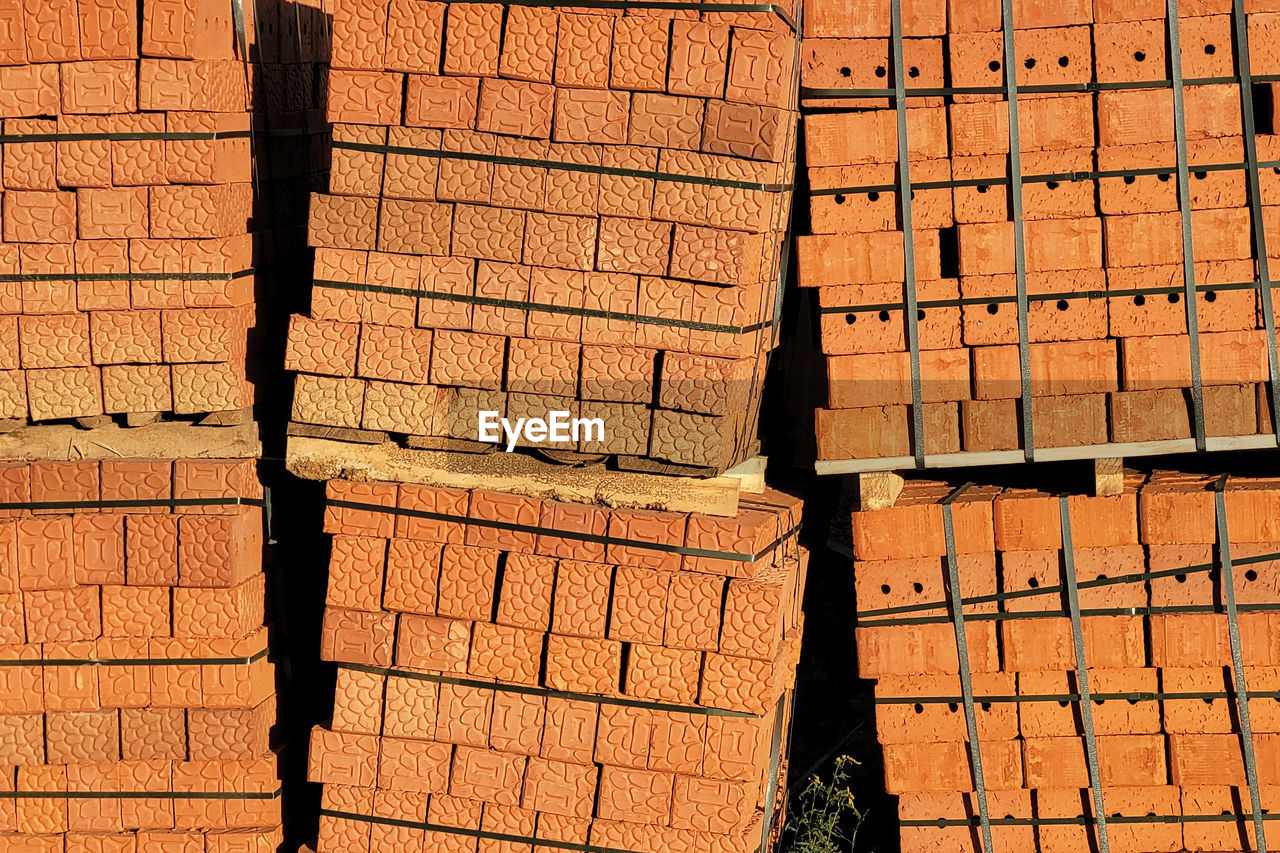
[230, 418]
[160, 440]
[638, 464]
[880, 489]
[879, 480]
[322, 457]
[971, 459]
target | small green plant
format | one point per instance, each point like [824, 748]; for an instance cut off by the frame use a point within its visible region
[824, 818]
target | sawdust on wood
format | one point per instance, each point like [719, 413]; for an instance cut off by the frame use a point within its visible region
[321, 459]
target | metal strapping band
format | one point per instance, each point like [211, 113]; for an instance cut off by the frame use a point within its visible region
[1051, 296]
[1034, 89]
[1082, 675]
[775, 261]
[966, 676]
[242, 42]
[543, 307]
[471, 833]
[1019, 238]
[1088, 611]
[1131, 577]
[908, 239]
[1084, 821]
[142, 795]
[122, 136]
[144, 503]
[561, 165]
[1060, 177]
[544, 692]
[1255, 207]
[1237, 661]
[673, 5]
[77, 277]
[130, 662]
[575, 535]
[1184, 211]
[1031, 698]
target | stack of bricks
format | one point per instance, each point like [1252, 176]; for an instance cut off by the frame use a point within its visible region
[1157, 653]
[535, 209]
[539, 672]
[126, 265]
[113, 576]
[1109, 350]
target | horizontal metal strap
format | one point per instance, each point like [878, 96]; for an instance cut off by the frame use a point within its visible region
[142, 795]
[559, 165]
[543, 307]
[1056, 589]
[1084, 87]
[1091, 294]
[575, 535]
[1086, 820]
[1050, 177]
[672, 5]
[528, 690]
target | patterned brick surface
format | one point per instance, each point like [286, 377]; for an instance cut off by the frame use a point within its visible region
[1099, 247]
[582, 684]
[616, 184]
[135, 651]
[1156, 648]
[131, 230]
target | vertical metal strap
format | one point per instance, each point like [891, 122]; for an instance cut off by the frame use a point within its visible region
[237, 21]
[779, 263]
[268, 512]
[1184, 209]
[242, 41]
[966, 677]
[297, 24]
[1082, 674]
[1245, 76]
[1237, 662]
[775, 765]
[1019, 240]
[908, 236]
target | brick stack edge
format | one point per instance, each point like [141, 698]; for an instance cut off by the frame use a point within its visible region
[114, 601]
[1171, 757]
[1101, 366]
[532, 684]
[95, 187]
[497, 160]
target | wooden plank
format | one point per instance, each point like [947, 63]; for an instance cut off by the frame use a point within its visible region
[879, 489]
[345, 434]
[230, 417]
[325, 459]
[139, 419]
[751, 474]
[457, 445]
[164, 440]
[645, 465]
[572, 458]
[94, 421]
[1048, 454]
[1108, 477]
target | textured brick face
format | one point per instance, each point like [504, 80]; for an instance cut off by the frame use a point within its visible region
[112, 197]
[544, 230]
[96, 584]
[571, 688]
[551, 157]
